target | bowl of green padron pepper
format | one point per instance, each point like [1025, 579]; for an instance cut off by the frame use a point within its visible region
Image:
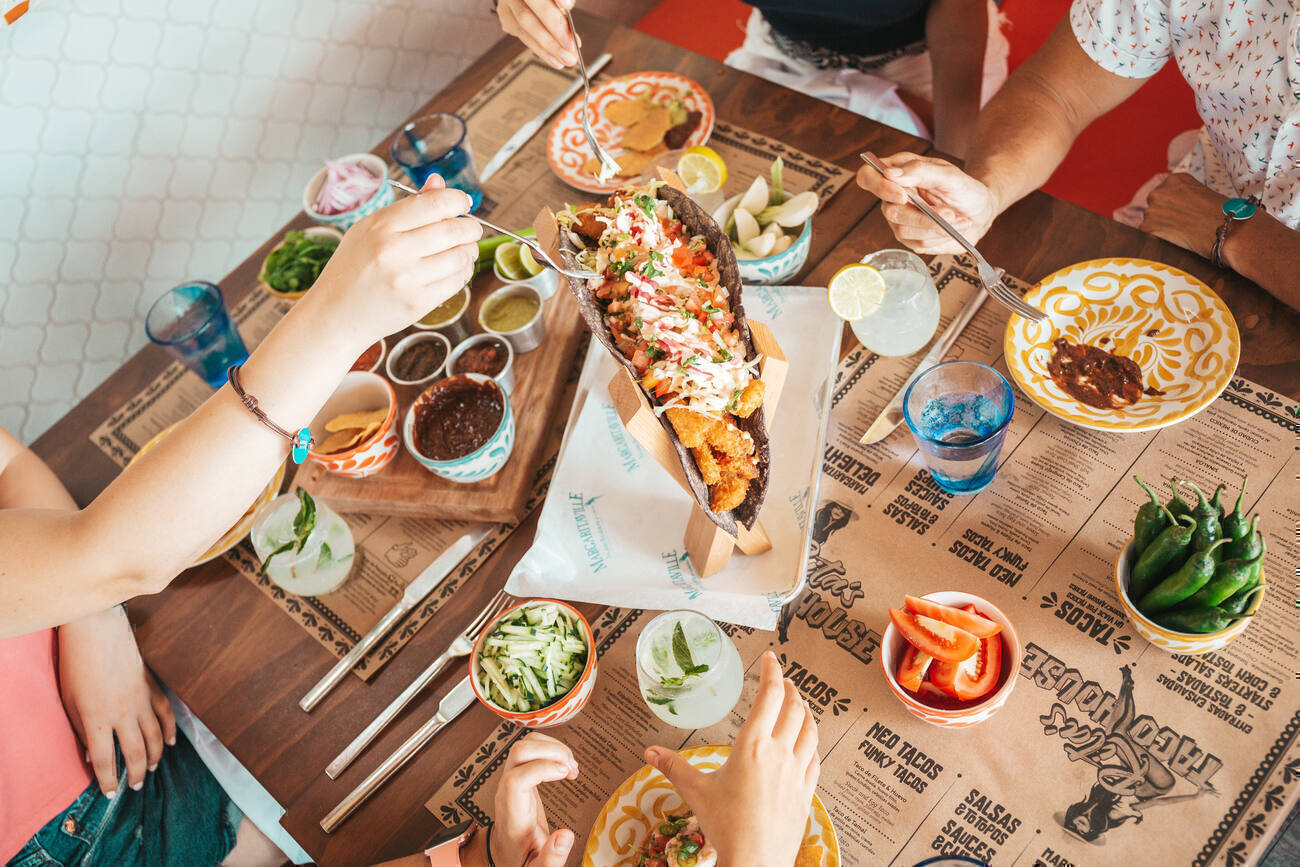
[1192, 576]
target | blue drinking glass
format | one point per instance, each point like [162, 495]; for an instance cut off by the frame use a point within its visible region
[192, 323]
[437, 145]
[958, 412]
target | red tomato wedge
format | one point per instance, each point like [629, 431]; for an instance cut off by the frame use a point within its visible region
[934, 637]
[963, 618]
[971, 678]
[912, 668]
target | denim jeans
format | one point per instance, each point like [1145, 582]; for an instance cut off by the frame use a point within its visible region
[180, 817]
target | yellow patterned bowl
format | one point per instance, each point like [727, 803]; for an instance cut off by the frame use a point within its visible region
[244, 524]
[1166, 639]
[646, 798]
[1116, 305]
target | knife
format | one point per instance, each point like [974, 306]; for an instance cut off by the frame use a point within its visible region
[414, 594]
[892, 415]
[528, 130]
[451, 706]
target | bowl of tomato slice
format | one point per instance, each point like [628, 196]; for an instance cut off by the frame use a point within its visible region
[950, 657]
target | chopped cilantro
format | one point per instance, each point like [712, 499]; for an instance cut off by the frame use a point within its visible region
[654, 351]
[703, 284]
[723, 355]
[618, 269]
[645, 203]
[638, 322]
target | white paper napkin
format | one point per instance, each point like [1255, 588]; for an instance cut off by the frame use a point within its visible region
[612, 525]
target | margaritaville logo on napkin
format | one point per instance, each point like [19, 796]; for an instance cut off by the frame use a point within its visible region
[680, 574]
[591, 532]
[629, 450]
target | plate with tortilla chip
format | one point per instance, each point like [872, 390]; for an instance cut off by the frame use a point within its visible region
[637, 117]
[668, 306]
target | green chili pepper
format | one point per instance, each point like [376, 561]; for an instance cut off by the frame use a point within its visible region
[1177, 506]
[1230, 577]
[1242, 600]
[1190, 577]
[1247, 547]
[1235, 526]
[1197, 620]
[1168, 548]
[1150, 520]
[1206, 514]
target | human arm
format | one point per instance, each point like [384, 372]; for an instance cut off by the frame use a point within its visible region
[58, 564]
[541, 25]
[105, 686]
[959, 31]
[1021, 136]
[1263, 249]
[754, 808]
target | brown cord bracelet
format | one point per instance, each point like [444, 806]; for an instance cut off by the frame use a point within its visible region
[301, 442]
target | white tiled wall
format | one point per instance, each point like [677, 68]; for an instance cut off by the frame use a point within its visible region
[148, 142]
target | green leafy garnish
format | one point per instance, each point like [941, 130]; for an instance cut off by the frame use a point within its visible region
[682, 653]
[655, 699]
[645, 203]
[303, 524]
[295, 264]
[618, 269]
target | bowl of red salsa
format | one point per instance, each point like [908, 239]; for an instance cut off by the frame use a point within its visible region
[950, 657]
[487, 354]
[461, 428]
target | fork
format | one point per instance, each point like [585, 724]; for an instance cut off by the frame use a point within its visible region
[538, 253]
[609, 168]
[989, 276]
[461, 646]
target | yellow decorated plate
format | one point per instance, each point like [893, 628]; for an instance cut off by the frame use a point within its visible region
[244, 524]
[646, 797]
[1174, 326]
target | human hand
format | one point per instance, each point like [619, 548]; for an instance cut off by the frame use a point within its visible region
[107, 691]
[541, 25]
[1184, 211]
[963, 201]
[520, 833]
[754, 808]
[397, 264]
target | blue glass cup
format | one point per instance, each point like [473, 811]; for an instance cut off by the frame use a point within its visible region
[958, 412]
[192, 323]
[437, 145]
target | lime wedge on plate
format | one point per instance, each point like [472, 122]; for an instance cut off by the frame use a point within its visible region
[701, 170]
[509, 261]
[856, 291]
[526, 259]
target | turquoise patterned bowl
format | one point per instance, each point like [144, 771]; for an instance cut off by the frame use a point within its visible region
[382, 196]
[777, 269]
[478, 465]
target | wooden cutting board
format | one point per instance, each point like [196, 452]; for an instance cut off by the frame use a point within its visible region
[406, 488]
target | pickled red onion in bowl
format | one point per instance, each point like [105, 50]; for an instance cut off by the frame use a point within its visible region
[347, 186]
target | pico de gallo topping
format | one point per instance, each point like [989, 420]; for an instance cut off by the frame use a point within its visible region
[664, 304]
[676, 842]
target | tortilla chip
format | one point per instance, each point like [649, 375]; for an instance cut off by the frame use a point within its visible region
[625, 112]
[356, 419]
[632, 163]
[648, 131]
[340, 441]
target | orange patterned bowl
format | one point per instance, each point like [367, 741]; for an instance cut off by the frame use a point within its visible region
[893, 644]
[1167, 639]
[357, 392]
[562, 709]
[244, 524]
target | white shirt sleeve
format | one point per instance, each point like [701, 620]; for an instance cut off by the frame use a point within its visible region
[1127, 37]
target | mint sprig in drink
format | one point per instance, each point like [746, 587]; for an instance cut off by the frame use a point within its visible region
[688, 669]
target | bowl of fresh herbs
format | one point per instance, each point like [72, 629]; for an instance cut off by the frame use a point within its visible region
[293, 265]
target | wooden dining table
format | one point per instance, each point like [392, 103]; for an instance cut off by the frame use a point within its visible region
[241, 664]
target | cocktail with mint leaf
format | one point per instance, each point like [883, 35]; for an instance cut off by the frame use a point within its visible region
[688, 669]
[305, 547]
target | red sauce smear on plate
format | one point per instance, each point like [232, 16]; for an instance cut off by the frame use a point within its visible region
[457, 418]
[1100, 379]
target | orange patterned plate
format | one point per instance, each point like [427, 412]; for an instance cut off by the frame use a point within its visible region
[1178, 331]
[646, 798]
[244, 524]
[566, 147]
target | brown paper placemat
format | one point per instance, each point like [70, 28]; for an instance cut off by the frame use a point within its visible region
[1103, 730]
[526, 184]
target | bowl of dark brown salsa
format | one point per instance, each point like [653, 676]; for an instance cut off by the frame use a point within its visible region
[461, 428]
[487, 354]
